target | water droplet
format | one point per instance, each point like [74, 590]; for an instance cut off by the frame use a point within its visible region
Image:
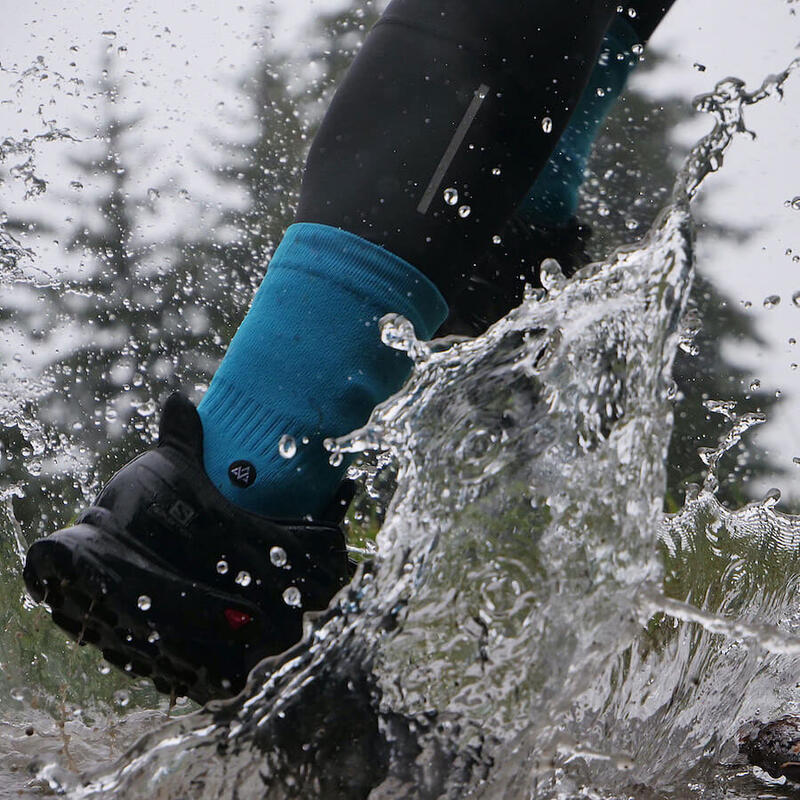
[144, 602]
[110, 34]
[551, 275]
[547, 125]
[796, 460]
[287, 446]
[128, 667]
[672, 390]
[153, 637]
[104, 668]
[699, 67]
[122, 698]
[772, 301]
[464, 211]
[336, 459]
[496, 239]
[496, 171]
[755, 385]
[277, 555]
[222, 566]
[153, 194]
[794, 203]
[637, 49]
[147, 409]
[75, 185]
[796, 298]
[243, 578]
[291, 597]
[631, 224]
[451, 196]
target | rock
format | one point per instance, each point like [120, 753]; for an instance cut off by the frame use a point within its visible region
[773, 746]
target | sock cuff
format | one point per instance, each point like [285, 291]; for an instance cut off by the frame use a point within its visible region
[366, 270]
[307, 362]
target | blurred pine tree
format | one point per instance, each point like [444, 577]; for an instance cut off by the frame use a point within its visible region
[630, 179]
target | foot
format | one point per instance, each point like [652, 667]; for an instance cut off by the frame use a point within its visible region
[172, 581]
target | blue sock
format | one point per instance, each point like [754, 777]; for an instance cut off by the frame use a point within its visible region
[553, 199]
[307, 362]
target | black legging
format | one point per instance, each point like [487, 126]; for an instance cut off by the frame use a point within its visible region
[469, 95]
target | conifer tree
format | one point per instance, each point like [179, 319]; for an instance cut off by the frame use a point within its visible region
[285, 105]
[130, 324]
[630, 179]
[107, 313]
[266, 167]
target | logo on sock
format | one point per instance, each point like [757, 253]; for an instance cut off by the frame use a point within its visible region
[242, 474]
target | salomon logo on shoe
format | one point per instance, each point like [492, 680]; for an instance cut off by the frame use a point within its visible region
[182, 512]
[242, 473]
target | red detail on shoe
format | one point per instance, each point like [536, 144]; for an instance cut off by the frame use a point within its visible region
[237, 619]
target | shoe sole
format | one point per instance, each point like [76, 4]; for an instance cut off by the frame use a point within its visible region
[146, 619]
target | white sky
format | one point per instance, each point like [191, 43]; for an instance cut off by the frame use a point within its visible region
[751, 40]
[182, 60]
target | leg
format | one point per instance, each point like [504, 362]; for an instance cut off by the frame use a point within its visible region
[553, 199]
[477, 110]
[470, 96]
[544, 224]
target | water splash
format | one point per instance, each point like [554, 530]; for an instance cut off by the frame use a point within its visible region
[19, 155]
[513, 638]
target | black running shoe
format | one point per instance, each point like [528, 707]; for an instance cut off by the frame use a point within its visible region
[172, 581]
